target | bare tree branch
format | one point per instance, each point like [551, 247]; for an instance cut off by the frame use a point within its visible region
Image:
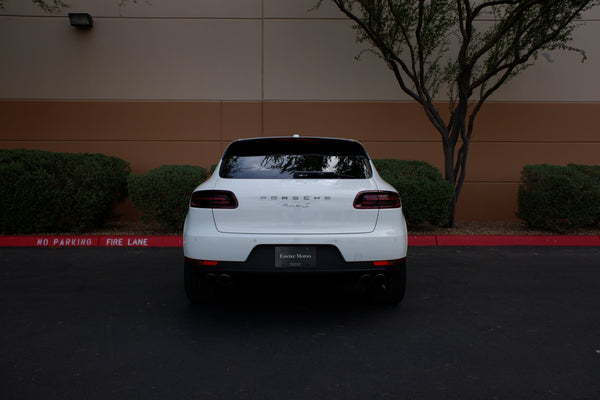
[412, 37]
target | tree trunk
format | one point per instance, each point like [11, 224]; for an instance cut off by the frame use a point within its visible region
[449, 175]
[452, 212]
[455, 163]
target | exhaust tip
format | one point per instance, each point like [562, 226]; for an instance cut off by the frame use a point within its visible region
[379, 279]
[365, 280]
[224, 280]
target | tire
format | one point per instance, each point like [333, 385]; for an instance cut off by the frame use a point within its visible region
[197, 289]
[395, 286]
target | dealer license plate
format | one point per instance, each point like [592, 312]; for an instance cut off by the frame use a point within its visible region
[295, 256]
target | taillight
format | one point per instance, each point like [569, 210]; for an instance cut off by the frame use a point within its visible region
[213, 199]
[377, 200]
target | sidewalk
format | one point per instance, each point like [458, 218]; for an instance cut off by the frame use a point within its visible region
[177, 240]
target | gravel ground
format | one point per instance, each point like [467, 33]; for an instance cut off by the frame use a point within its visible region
[462, 228]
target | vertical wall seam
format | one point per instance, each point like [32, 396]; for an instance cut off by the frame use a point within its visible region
[221, 120]
[262, 68]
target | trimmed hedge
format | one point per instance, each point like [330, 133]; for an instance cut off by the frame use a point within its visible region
[163, 194]
[559, 198]
[425, 193]
[46, 192]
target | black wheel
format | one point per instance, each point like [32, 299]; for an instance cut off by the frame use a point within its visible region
[197, 289]
[395, 286]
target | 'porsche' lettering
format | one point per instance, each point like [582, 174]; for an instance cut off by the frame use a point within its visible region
[295, 197]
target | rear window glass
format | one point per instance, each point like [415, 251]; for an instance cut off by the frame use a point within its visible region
[295, 159]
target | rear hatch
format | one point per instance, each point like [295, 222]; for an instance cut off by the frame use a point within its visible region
[295, 186]
[305, 206]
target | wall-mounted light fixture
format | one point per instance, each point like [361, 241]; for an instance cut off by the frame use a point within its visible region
[81, 20]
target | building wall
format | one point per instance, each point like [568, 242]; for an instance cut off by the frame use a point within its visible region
[173, 81]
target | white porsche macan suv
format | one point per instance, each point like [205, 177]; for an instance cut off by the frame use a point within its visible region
[292, 206]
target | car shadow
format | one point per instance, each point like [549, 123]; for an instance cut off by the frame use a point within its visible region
[291, 300]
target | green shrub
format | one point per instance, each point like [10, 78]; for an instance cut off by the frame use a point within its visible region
[590, 170]
[425, 194]
[559, 198]
[45, 192]
[163, 194]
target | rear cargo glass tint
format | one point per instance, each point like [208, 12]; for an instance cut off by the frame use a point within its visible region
[295, 159]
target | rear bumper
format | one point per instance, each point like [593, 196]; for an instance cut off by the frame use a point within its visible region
[364, 272]
[388, 241]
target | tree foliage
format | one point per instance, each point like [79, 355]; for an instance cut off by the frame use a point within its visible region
[469, 48]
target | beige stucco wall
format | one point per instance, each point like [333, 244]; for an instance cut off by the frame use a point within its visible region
[173, 81]
[231, 50]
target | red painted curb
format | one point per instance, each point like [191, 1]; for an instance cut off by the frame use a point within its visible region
[177, 241]
[48, 241]
[425, 240]
[91, 241]
[517, 240]
[140, 241]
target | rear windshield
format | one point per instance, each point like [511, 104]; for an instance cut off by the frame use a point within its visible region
[295, 159]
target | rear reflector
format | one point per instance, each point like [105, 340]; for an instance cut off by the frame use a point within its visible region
[377, 200]
[213, 199]
[201, 262]
[384, 263]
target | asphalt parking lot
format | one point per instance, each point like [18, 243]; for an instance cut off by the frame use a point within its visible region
[476, 323]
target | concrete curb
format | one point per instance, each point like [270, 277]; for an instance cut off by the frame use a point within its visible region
[177, 240]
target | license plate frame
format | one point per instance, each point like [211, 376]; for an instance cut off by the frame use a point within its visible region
[295, 256]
